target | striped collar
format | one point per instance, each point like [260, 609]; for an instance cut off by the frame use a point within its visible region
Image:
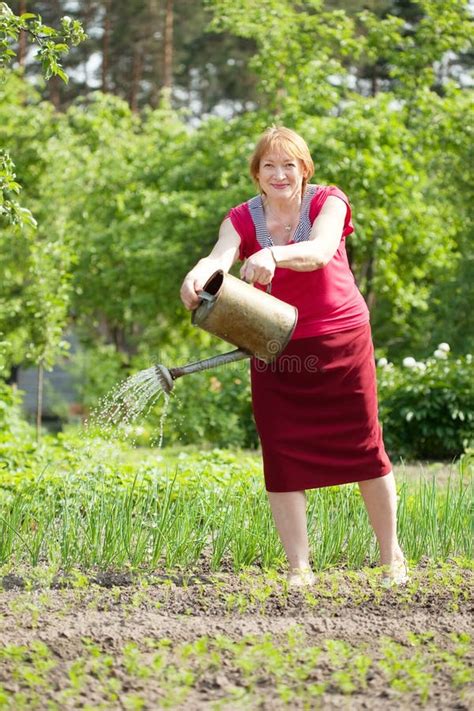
[303, 228]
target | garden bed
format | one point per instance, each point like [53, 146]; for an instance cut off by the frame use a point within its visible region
[207, 640]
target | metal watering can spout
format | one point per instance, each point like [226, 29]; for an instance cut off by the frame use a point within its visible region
[167, 376]
[258, 323]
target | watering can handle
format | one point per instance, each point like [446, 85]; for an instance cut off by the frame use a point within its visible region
[205, 301]
[205, 296]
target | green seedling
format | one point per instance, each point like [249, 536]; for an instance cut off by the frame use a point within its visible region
[406, 674]
[134, 663]
[111, 520]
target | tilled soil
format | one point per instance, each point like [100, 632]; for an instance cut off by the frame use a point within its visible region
[214, 641]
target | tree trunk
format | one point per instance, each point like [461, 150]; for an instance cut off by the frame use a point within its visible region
[155, 12]
[374, 82]
[137, 69]
[350, 253]
[370, 267]
[55, 82]
[54, 94]
[87, 22]
[13, 377]
[22, 38]
[168, 46]
[370, 293]
[39, 400]
[106, 46]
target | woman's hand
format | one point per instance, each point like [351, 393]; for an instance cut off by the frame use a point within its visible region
[192, 284]
[223, 255]
[260, 267]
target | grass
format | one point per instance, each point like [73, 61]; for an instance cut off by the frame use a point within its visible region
[109, 515]
[165, 529]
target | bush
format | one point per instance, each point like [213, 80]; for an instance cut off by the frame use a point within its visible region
[211, 407]
[17, 439]
[427, 408]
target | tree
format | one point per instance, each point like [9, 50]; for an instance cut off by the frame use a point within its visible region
[131, 52]
[35, 271]
[301, 51]
[52, 44]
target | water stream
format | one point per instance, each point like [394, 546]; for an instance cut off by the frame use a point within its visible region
[130, 400]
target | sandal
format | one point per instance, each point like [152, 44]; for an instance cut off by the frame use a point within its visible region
[395, 574]
[301, 577]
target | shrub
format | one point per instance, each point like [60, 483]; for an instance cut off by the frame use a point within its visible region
[212, 407]
[427, 408]
[17, 441]
[208, 408]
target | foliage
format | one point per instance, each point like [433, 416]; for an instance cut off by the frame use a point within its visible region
[51, 43]
[9, 207]
[306, 52]
[85, 501]
[11, 421]
[17, 444]
[427, 407]
[36, 274]
[95, 372]
[293, 76]
[34, 293]
[413, 49]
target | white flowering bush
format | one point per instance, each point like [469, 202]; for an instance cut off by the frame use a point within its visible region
[427, 407]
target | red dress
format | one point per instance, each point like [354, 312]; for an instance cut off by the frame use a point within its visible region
[315, 406]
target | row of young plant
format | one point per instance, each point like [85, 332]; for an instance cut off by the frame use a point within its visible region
[295, 669]
[100, 516]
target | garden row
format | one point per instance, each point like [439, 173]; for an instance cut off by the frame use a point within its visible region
[90, 503]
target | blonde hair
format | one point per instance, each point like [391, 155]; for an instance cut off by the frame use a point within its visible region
[282, 139]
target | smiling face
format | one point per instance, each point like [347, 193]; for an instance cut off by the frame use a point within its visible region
[281, 163]
[280, 175]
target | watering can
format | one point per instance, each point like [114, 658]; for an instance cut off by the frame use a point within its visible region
[255, 321]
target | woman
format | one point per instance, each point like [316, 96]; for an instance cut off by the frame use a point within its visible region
[317, 422]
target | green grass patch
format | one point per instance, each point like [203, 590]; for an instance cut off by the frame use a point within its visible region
[100, 508]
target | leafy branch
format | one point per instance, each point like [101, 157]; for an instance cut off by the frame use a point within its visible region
[52, 44]
[10, 209]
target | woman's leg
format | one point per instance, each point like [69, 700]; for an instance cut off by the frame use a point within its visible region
[289, 513]
[380, 497]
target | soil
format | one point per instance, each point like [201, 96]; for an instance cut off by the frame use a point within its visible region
[115, 609]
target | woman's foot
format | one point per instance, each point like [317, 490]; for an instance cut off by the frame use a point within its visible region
[395, 573]
[301, 577]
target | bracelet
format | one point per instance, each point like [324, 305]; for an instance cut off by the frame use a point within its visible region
[273, 255]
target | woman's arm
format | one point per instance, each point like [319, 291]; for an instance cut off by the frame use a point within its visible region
[306, 256]
[223, 255]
